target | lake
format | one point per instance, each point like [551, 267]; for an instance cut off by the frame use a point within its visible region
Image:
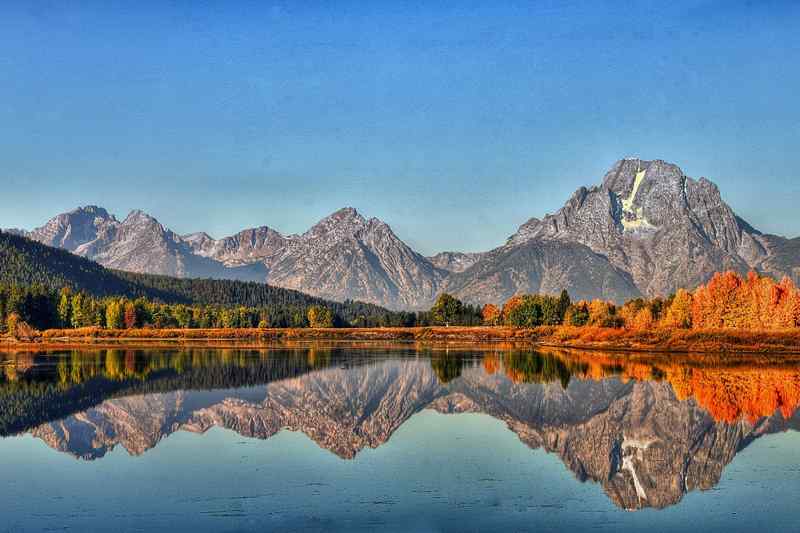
[397, 438]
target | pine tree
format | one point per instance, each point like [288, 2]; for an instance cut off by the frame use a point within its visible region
[65, 308]
[78, 319]
[114, 315]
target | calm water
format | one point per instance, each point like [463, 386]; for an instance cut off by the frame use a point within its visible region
[396, 439]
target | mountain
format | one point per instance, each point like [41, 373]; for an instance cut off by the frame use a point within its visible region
[244, 248]
[342, 257]
[73, 229]
[647, 229]
[137, 244]
[541, 266]
[666, 229]
[455, 261]
[647, 223]
[782, 257]
[345, 256]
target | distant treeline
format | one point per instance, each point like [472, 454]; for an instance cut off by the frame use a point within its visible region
[43, 308]
[727, 301]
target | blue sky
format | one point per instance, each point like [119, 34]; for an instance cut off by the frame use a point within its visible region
[454, 122]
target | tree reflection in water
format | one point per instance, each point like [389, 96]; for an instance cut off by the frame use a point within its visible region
[647, 428]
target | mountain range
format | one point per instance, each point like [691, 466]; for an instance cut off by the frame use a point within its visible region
[646, 230]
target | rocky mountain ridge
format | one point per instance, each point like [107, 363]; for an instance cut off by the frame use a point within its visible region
[647, 229]
[455, 261]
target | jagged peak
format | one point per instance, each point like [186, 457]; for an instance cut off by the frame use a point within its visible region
[346, 213]
[93, 210]
[138, 214]
[451, 253]
[347, 220]
[624, 171]
[257, 230]
[376, 223]
[87, 211]
[197, 236]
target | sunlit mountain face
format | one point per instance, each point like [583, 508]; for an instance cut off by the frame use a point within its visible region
[645, 429]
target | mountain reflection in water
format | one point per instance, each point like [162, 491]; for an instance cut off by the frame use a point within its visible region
[648, 429]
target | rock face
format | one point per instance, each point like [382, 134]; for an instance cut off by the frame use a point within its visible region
[666, 229]
[346, 256]
[542, 266]
[246, 247]
[643, 445]
[455, 261]
[141, 244]
[651, 224]
[343, 257]
[137, 244]
[647, 229]
[782, 257]
[76, 228]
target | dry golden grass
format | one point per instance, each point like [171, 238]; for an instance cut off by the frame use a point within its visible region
[657, 339]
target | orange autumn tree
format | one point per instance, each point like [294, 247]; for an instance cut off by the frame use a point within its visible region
[511, 304]
[712, 304]
[637, 315]
[679, 312]
[754, 302]
[490, 314]
[643, 320]
[604, 314]
[786, 303]
[730, 394]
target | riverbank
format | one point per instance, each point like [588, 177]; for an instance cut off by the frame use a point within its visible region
[655, 340]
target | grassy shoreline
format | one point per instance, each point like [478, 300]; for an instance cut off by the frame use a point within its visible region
[609, 339]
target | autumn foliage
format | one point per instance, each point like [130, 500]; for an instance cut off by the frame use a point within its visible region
[754, 302]
[749, 389]
[731, 394]
[727, 301]
[490, 314]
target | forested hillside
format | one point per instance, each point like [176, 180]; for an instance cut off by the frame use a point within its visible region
[26, 263]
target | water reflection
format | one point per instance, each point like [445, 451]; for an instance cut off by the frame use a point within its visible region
[647, 429]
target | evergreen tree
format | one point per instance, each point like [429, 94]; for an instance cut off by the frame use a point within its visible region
[65, 308]
[78, 319]
[114, 315]
[446, 309]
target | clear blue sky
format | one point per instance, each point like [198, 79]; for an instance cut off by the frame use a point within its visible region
[454, 123]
